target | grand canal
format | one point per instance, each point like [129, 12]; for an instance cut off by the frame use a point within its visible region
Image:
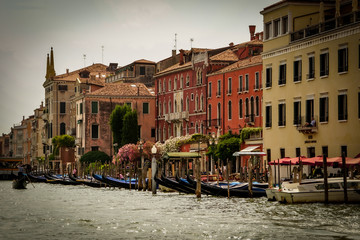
[79, 212]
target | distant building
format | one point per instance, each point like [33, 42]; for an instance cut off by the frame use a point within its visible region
[20, 140]
[93, 110]
[38, 149]
[311, 93]
[140, 71]
[5, 145]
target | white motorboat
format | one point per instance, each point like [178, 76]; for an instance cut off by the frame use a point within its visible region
[314, 191]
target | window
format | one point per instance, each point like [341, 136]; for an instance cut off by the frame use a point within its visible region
[309, 110]
[94, 131]
[282, 74]
[164, 106]
[240, 84]
[218, 93]
[196, 102]
[229, 85]
[209, 115]
[240, 108]
[324, 64]
[268, 80]
[181, 82]
[268, 116]
[267, 30]
[297, 152]
[62, 87]
[285, 25]
[297, 70]
[187, 81]
[94, 148]
[276, 27]
[343, 59]
[247, 82]
[201, 102]
[62, 107]
[169, 84]
[257, 102]
[311, 73]
[209, 90]
[282, 115]
[152, 132]
[175, 83]
[128, 103]
[257, 81]
[297, 113]
[342, 107]
[94, 107]
[142, 70]
[159, 86]
[246, 107]
[62, 128]
[160, 109]
[170, 107]
[145, 108]
[229, 110]
[164, 87]
[81, 108]
[282, 152]
[218, 114]
[268, 154]
[324, 109]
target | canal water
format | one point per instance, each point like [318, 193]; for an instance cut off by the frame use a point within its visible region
[80, 212]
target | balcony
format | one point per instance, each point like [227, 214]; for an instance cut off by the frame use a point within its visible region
[305, 125]
[250, 119]
[328, 25]
[177, 116]
[257, 87]
[213, 122]
[185, 115]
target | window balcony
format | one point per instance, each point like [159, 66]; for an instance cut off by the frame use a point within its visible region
[305, 125]
[250, 119]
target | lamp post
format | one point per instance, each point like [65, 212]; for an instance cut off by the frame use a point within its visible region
[213, 141]
[153, 169]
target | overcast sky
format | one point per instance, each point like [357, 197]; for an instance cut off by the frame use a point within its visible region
[128, 30]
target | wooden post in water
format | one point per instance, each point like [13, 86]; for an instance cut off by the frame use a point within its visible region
[250, 177]
[228, 176]
[300, 170]
[279, 173]
[270, 181]
[344, 177]
[198, 179]
[275, 177]
[290, 170]
[326, 186]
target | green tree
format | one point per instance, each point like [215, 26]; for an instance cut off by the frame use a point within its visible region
[62, 141]
[228, 144]
[116, 122]
[130, 131]
[94, 156]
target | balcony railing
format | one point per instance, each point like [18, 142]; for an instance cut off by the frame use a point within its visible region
[213, 122]
[250, 119]
[331, 24]
[306, 125]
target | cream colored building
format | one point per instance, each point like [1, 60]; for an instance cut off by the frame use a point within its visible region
[311, 73]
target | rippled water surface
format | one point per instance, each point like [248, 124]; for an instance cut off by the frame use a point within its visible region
[80, 212]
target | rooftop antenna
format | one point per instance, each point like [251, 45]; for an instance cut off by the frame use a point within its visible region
[84, 56]
[191, 41]
[102, 54]
[175, 46]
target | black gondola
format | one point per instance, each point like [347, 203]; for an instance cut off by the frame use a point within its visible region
[20, 181]
[119, 183]
[88, 182]
[170, 183]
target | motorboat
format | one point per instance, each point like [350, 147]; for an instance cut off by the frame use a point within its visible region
[314, 191]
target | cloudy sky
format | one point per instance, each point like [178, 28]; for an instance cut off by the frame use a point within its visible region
[128, 30]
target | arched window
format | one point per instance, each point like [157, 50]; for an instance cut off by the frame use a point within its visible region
[196, 102]
[160, 108]
[246, 107]
[175, 106]
[218, 114]
[201, 101]
[196, 128]
[257, 106]
[209, 115]
[164, 112]
[169, 131]
[170, 107]
[62, 128]
[252, 106]
[164, 87]
[181, 130]
[159, 86]
[181, 82]
[181, 105]
[187, 104]
[175, 83]
[229, 110]
[240, 108]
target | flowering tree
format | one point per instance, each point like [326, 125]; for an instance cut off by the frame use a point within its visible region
[128, 153]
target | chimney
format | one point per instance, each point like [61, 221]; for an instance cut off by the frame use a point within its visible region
[67, 71]
[173, 53]
[181, 57]
[231, 44]
[42, 104]
[252, 31]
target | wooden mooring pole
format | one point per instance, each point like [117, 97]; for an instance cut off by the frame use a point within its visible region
[344, 177]
[326, 180]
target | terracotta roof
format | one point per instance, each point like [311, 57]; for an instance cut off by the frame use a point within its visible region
[100, 81]
[95, 69]
[227, 55]
[252, 42]
[240, 64]
[122, 89]
[174, 68]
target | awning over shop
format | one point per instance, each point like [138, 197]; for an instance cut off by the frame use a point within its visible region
[249, 151]
[180, 155]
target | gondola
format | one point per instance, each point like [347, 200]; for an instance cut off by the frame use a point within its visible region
[87, 182]
[234, 192]
[170, 183]
[119, 183]
[20, 181]
[59, 180]
[34, 178]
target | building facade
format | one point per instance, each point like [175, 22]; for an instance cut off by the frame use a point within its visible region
[311, 72]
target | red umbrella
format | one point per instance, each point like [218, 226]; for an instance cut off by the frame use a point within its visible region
[351, 161]
[312, 161]
[275, 162]
[293, 161]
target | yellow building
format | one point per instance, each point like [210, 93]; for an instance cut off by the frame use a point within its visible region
[311, 78]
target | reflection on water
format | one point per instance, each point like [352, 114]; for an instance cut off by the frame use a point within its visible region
[78, 212]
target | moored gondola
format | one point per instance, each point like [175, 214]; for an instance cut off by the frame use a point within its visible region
[170, 183]
[20, 181]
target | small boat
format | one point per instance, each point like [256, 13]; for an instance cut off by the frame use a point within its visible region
[173, 184]
[119, 183]
[34, 178]
[20, 181]
[314, 191]
[91, 182]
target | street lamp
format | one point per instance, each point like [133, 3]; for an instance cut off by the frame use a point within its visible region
[153, 169]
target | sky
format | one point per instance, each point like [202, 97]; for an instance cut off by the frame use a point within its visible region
[106, 31]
